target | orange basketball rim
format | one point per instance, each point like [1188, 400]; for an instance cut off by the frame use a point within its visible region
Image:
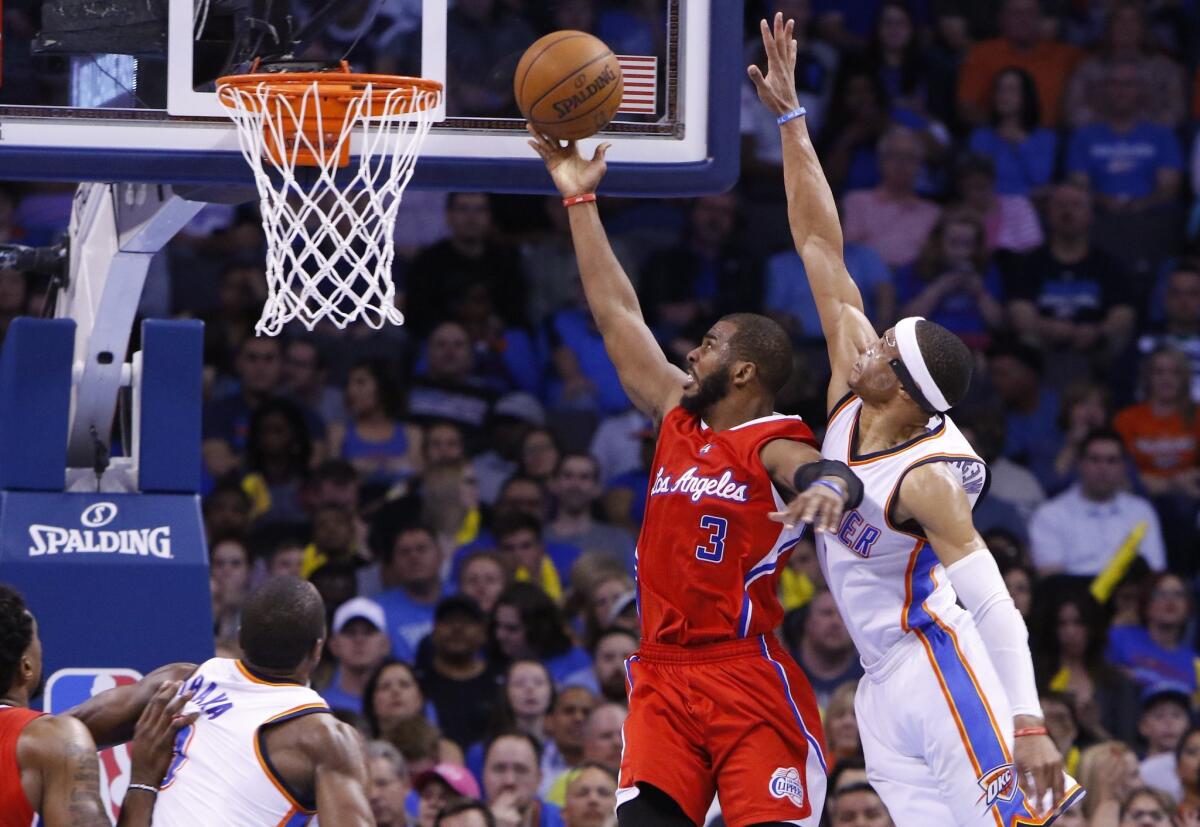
[306, 112]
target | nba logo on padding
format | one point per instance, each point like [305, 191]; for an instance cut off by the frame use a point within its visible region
[786, 783]
[998, 785]
[67, 688]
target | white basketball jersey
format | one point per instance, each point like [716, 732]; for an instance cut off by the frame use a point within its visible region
[885, 577]
[220, 774]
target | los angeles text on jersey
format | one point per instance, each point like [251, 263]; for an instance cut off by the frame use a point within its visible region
[696, 486]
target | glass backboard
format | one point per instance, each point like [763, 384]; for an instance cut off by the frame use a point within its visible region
[123, 91]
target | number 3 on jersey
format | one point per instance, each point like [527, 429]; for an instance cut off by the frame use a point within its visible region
[714, 550]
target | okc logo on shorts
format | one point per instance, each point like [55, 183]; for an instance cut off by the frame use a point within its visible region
[786, 783]
[998, 785]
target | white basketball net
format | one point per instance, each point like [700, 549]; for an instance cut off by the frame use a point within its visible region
[329, 242]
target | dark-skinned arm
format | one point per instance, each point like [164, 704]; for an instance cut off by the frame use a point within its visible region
[61, 748]
[812, 214]
[340, 772]
[112, 715]
[933, 496]
[818, 505]
[652, 382]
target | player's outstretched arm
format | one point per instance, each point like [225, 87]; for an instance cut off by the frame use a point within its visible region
[340, 772]
[112, 715]
[652, 382]
[934, 497]
[812, 212]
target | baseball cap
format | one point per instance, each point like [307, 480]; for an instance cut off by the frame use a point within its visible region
[621, 604]
[521, 406]
[456, 778]
[1155, 693]
[359, 607]
[459, 604]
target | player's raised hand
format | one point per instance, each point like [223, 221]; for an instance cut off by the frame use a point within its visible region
[571, 173]
[1039, 768]
[153, 744]
[820, 506]
[777, 89]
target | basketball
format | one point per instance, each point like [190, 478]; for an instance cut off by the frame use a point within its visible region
[568, 85]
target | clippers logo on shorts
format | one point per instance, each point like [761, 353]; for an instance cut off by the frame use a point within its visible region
[786, 783]
[93, 539]
[697, 486]
[68, 688]
[998, 785]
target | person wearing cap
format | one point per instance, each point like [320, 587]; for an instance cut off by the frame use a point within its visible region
[591, 795]
[900, 562]
[441, 786]
[457, 678]
[413, 563]
[360, 643]
[1165, 719]
[512, 417]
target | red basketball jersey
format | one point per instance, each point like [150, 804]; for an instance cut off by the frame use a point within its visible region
[16, 811]
[708, 558]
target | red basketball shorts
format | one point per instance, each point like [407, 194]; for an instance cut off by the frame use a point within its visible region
[738, 719]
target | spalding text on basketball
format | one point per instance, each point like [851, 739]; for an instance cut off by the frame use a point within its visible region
[567, 105]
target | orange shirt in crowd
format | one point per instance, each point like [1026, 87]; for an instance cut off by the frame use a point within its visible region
[1160, 445]
[1049, 64]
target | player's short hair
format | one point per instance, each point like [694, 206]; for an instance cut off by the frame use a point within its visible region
[764, 343]
[948, 358]
[16, 633]
[282, 621]
[466, 805]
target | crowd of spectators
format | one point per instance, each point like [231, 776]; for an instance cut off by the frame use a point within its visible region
[465, 491]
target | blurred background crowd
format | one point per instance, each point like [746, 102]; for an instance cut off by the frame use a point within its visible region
[465, 491]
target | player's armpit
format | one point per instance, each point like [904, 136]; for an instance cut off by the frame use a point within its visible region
[112, 715]
[62, 749]
[340, 771]
[933, 497]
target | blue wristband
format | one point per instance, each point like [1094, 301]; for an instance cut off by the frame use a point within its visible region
[791, 116]
[831, 486]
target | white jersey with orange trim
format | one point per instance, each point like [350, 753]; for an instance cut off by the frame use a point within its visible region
[931, 762]
[220, 774]
[885, 576]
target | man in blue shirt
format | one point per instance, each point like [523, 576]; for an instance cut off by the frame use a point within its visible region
[360, 644]
[790, 302]
[1130, 162]
[414, 563]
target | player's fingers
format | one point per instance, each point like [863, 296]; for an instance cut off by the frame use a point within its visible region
[780, 28]
[769, 43]
[1057, 783]
[784, 517]
[756, 76]
[601, 151]
[183, 721]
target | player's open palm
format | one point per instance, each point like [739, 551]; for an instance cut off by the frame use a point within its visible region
[1040, 769]
[777, 89]
[572, 174]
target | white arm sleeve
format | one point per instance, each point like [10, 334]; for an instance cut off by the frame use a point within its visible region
[977, 581]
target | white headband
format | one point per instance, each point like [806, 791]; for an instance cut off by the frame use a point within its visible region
[910, 355]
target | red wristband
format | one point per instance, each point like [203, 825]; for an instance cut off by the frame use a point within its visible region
[579, 199]
[1031, 730]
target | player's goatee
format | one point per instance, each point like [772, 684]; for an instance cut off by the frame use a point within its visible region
[709, 391]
